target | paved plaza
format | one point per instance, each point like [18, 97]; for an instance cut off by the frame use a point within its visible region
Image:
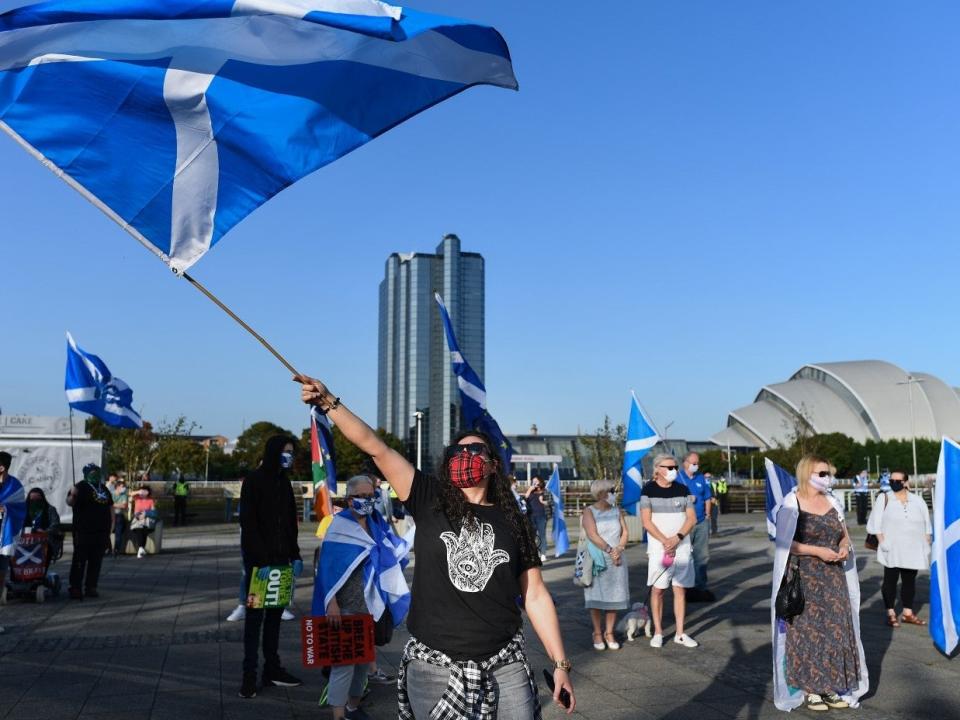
[156, 645]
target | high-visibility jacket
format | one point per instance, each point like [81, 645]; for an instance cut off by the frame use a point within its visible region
[181, 489]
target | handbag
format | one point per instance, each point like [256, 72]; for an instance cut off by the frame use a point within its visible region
[872, 542]
[383, 629]
[790, 601]
[583, 565]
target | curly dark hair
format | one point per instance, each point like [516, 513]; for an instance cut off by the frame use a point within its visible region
[452, 502]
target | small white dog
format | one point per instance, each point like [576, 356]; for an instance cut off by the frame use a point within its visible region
[631, 623]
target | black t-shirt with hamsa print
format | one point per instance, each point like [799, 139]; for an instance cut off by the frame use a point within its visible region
[466, 579]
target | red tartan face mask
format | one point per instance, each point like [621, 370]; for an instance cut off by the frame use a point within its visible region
[467, 470]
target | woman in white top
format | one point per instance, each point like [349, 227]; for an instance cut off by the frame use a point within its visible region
[605, 527]
[901, 522]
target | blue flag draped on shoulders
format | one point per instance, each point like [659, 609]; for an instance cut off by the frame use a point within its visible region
[382, 556]
[561, 541]
[14, 501]
[640, 438]
[473, 395]
[93, 389]
[178, 118]
[945, 570]
[778, 486]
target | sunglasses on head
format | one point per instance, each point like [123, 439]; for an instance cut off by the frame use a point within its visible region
[475, 448]
[823, 473]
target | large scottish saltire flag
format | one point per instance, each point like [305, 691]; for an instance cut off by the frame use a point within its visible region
[561, 540]
[321, 461]
[473, 395]
[178, 118]
[383, 556]
[93, 389]
[778, 486]
[945, 570]
[640, 438]
[14, 502]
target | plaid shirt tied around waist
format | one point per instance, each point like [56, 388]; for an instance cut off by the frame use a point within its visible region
[471, 692]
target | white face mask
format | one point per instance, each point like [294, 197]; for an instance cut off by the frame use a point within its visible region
[821, 484]
[670, 475]
[611, 498]
[692, 468]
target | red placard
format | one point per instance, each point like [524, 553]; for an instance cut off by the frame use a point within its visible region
[30, 555]
[351, 644]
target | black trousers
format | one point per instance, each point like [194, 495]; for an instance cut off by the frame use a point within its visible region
[861, 499]
[180, 510]
[269, 621]
[140, 536]
[908, 587]
[87, 558]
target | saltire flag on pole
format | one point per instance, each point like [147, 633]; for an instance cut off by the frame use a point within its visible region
[640, 438]
[945, 570]
[778, 486]
[93, 389]
[473, 395]
[178, 118]
[321, 460]
[561, 541]
[14, 502]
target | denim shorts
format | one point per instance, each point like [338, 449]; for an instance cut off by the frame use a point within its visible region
[426, 684]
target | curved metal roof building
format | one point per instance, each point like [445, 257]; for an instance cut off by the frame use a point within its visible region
[864, 399]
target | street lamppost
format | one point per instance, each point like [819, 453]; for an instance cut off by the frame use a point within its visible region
[910, 382]
[867, 458]
[206, 469]
[666, 431]
[419, 416]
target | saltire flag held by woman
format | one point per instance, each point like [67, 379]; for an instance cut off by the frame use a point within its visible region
[93, 389]
[178, 118]
[778, 486]
[561, 540]
[14, 502]
[945, 570]
[321, 460]
[473, 394]
[640, 438]
[383, 555]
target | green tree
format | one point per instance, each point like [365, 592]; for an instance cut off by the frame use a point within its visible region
[252, 442]
[603, 450]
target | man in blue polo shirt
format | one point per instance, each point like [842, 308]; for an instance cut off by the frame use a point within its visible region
[700, 488]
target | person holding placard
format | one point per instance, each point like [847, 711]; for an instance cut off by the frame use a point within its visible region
[478, 564]
[268, 537]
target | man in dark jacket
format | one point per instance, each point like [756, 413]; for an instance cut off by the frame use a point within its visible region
[92, 504]
[268, 536]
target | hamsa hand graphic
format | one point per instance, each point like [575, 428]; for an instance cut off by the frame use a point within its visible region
[471, 557]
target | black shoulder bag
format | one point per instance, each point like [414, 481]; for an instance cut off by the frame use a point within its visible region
[383, 629]
[872, 542]
[790, 599]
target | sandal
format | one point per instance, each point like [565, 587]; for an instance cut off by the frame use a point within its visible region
[598, 645]
[912, 619]
[612, 643]
[892, 621]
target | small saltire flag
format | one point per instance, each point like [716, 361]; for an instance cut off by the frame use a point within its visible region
[321, 460]
[640, 438]
[14, 502]
[778, 486]
[178, 118]
[945, 570]
[93, 389]
[561, 541]
[473, 395]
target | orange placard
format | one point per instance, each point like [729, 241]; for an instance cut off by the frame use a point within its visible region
[351, 644]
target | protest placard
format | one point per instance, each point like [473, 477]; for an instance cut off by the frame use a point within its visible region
[351, 644]
[272, 592]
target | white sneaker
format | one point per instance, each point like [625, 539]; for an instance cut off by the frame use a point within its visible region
[656, 641]
[543, 558]
[686, 641]
[141, 553]
[287, 615]
[238, 614]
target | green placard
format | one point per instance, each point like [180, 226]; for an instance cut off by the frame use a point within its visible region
[276, 591]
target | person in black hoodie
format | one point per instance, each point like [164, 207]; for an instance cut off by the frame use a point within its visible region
[268, 536]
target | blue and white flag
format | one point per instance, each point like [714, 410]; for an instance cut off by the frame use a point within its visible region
[945, 570]
[561, 541]
[473, 395]
[640, 438]
[778, 486]
[383, 556]
[93, 389]
[178, 118]
[14, 502]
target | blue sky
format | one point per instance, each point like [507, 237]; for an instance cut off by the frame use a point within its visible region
[686, 199]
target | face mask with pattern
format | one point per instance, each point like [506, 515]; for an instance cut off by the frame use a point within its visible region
[467, 470]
